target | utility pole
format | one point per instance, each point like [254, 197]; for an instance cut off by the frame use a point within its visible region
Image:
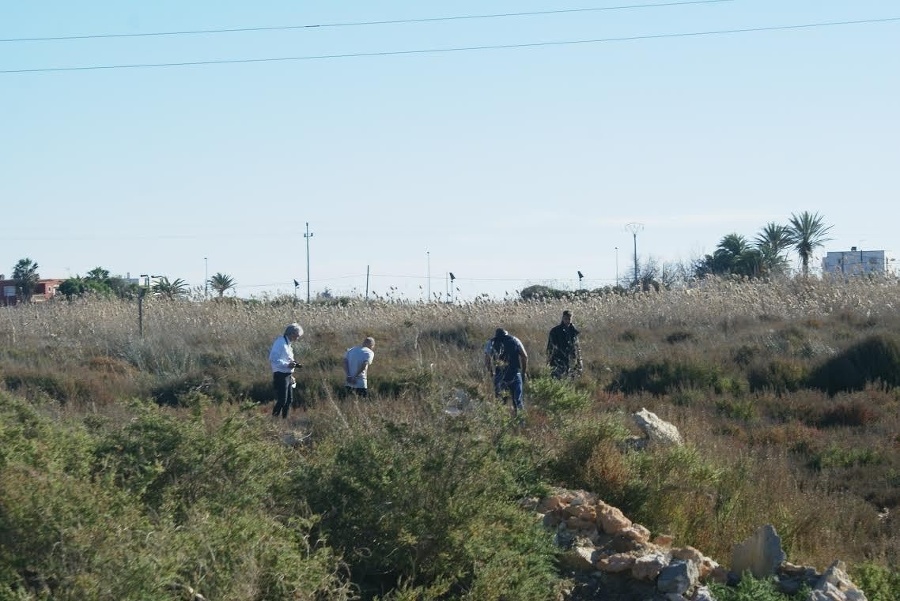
[205, 278]
[617, 267]
[307, 235]
[634, 228]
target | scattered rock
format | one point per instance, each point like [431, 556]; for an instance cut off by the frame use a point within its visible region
[658, 431]
[761, 554]
[611, 558]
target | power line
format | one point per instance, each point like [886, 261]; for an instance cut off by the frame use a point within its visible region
[357, 23]
[385, 53]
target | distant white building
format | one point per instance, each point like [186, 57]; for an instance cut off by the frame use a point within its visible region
[857, 262]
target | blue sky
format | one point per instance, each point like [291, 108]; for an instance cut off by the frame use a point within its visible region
[506, 166]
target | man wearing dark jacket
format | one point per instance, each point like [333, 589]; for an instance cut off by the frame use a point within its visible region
[563, 350]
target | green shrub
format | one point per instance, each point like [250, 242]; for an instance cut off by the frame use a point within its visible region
[175, 462]
[557, 398]
[661, 377]
[425, 503]
[60, 387]
[578, 442]
[416, 383]
[672, 490]
[755, 589]
[872, 361]
[779, 376]
[739, 409]
[838, 457]
[72, 528]
[687, 397]
[877, 582]
[744, 354]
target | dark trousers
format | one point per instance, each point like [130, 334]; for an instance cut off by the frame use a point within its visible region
[559, 366]
[281, 382]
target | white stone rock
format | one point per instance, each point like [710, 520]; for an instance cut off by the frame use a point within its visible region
[657, 430]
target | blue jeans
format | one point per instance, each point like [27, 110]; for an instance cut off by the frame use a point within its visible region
[514, 386]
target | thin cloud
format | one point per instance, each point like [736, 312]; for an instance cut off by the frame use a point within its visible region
[697, 219]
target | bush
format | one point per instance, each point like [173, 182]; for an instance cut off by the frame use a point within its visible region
[415, 383]
[423, 504]
[668, 376]
[755, 589]
[779, 376]
[851, 414]
[578, 443]
[557, 398]
[72, 527]
[874, 360]
[878, 582]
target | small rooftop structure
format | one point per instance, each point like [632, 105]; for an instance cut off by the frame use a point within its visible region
[857, 262]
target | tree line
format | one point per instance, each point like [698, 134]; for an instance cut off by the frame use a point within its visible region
[766, 254]
[763, 256]
[99, 282]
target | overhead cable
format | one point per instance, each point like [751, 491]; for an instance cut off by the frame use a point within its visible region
[357, 23]
[386, 53]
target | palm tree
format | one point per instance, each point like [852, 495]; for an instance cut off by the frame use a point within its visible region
[98, 274]
[807, 233]
[771, 242]
[26, 278]
[222, 283]
[734, 255]
[170, 290]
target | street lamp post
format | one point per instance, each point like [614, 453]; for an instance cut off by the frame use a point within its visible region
[617, 267]
[307, 235]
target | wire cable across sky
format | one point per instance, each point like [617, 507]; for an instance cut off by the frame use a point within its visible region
[189, 32]
[386, 53]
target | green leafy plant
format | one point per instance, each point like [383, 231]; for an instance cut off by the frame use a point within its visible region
[877, 581]
[755, 589]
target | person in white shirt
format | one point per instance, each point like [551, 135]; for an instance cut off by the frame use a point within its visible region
[356, 365]
[281, 358]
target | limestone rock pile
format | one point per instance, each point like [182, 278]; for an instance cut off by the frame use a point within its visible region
[612, 558]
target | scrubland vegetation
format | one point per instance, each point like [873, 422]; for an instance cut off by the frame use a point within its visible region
[147, 467]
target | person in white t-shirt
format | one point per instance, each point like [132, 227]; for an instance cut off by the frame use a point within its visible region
[356, 366]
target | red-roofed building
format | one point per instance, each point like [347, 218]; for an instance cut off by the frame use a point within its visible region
[43, 290]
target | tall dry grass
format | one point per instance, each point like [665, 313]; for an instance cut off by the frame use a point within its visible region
[769, 448]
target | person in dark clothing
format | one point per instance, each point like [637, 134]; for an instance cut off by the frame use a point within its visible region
[563, 349]
[506, 360]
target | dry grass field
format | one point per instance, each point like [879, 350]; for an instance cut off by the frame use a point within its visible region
[787, 394]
